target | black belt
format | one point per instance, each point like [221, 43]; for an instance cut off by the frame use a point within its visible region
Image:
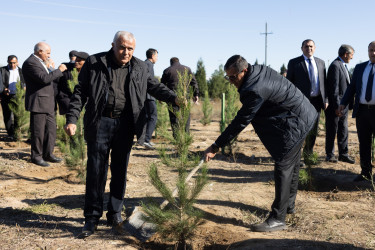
[112, 113]
[367, 106]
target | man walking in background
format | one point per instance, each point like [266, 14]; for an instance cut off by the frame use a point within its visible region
[338, 79]
[170, 78]
[308, 73]
[11, 74]
[150, 105]
[40, 101]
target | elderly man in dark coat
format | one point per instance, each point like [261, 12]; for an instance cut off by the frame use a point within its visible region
[282, 117]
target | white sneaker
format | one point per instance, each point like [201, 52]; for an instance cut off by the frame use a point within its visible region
[148, 145]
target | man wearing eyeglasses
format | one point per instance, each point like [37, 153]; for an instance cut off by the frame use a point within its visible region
[282, 117]
[11, 74]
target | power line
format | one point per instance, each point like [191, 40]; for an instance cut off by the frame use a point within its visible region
[266, 34]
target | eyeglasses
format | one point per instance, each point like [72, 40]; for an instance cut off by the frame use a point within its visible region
[233, 77]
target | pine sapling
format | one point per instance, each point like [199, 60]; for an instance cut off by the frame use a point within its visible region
[178, 220]
[21, 116]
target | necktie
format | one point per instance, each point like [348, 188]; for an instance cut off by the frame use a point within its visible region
[370, 82]
[312, 76]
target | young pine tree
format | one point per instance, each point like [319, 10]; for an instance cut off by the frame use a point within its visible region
[231, 109]
[21, 116]
[75, 146]
[200, 75]
[206, 109]
[179, 219]
[162, 123]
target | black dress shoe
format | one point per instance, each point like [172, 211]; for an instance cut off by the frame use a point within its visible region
[347, 159]
[362, 177]
[53, 159]
[270, 225]
[88, 229]
[40, 163]
[331, 159]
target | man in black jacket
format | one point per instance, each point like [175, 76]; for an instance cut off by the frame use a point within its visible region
[282, 117]
[11, 74]
[338, 79]
[170, 78]
[113, 87]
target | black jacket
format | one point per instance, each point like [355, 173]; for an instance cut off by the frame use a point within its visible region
[280, 114]
[355, 88]
[62, 91]
[299, 76]
[5, 76]
[92, 89]
[170, 77]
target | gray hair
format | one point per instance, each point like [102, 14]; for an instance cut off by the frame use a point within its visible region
[40, 46]
[345, 48]
[237, 62]
[125, 34]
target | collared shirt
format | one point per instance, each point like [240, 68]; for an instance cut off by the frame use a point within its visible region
[346, 69]
[118, 94]
[42, 62]
[14, 77]
[365, 75]
[317, 89]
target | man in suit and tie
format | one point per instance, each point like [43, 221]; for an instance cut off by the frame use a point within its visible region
[338, 79]
[362, 86]
[40, 101]
[11, 74]
[308, 73]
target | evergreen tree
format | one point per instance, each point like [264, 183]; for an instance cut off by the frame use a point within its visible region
[162, 123]
[217, 83]
[21, 116]
[74, 147]
[200, 75]
[178, 220]
[282, 69]
[256, 62]
[231, 109]
[206, 109]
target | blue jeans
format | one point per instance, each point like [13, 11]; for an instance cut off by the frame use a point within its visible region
[114, 136]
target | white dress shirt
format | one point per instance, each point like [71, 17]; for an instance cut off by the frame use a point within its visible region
[365, 75]
[14, 77]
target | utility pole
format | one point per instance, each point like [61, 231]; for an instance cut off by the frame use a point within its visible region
[266, 34]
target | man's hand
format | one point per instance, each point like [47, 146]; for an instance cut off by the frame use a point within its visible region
[339, 111]
[62, 67]
[325, 105]
[70, 129]
[209, 153]
[180, 101]
[196, 99]
[6, 91]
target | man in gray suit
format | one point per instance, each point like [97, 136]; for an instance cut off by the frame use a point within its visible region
[40, 101]
[338, 79]
[308, 73]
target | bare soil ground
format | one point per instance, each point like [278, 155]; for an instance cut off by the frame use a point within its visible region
[41, 207]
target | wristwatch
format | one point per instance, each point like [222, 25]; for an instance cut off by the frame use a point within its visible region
[215, 148]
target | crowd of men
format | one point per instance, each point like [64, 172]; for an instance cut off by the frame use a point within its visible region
[118, 93]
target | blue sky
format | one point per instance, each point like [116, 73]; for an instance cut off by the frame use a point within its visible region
[189, 30]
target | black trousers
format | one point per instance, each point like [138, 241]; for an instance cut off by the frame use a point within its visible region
[286, 182]
[150, 124]
[336, 126]
[115, 137]
[365, 123]
[174, 121]
[10, 120]
[317, 102]
[43, 135]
